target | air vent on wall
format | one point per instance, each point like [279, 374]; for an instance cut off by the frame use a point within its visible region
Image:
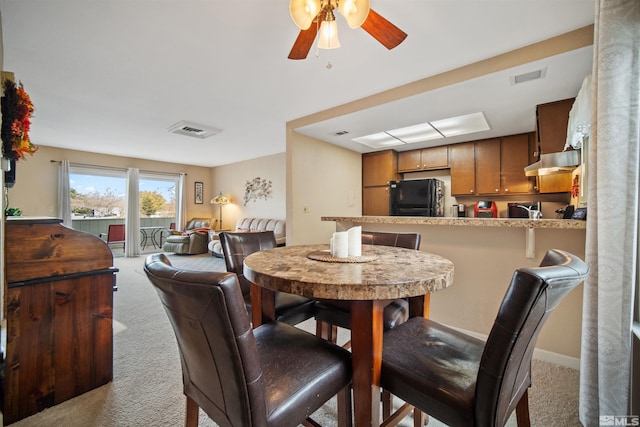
[193, 129]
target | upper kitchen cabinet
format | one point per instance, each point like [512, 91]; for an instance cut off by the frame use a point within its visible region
[424, 159]
[491, 166]
[463, 169]
[487, 158]
[552, 119]
[379, 168]
[515, 151]
[551, 135]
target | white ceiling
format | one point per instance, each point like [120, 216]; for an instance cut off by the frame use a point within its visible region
[110, 76]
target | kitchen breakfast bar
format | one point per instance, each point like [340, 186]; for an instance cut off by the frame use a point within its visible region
[486, 252]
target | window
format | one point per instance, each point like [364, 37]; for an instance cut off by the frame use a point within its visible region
[98, 198]
[97, 193]
[157, 196]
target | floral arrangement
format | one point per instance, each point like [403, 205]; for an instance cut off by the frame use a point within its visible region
[17, 109]
[258, 188]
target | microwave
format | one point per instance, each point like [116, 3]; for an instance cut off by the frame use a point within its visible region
[485, 209]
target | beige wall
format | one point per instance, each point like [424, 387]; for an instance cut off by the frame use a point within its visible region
[36, 188]
[231, 181]
[322, 179]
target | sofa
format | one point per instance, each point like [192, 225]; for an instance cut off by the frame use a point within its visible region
[247, 225]
[192, 240]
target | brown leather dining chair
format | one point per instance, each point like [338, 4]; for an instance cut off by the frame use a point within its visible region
[273, 375]
[464, 381]
[291, 309]
[331, 314]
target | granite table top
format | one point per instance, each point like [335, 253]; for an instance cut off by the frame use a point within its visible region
[393, 273]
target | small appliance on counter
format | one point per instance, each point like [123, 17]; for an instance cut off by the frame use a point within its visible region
[460, 210]
[516, 210]
[566, 212]
[485, 209]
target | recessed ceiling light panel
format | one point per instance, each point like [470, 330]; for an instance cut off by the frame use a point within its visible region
[378, 140]
[416, 133]
[461, 125]
[444, 128]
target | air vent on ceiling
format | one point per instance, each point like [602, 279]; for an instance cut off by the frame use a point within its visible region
[193, 129]
[341, 132]
[525, 77]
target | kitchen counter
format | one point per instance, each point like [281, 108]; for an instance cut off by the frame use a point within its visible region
[463, 222]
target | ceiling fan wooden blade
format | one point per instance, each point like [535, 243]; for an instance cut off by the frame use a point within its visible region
[382, 30]
[304, 42]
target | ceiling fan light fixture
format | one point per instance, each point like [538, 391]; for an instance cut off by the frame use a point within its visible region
[354, 11]
[303, 12]
[328, 38]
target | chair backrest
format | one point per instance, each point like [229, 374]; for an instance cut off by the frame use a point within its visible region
[237, 246]
[220, 361]
[400, 240]
[198, 223]
[505, 367]
[116, 233]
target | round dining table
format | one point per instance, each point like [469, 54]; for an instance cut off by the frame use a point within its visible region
[369, 281]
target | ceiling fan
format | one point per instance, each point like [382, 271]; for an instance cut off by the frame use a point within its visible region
[313, 16]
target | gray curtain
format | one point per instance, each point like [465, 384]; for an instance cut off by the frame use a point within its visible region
[64, 198]
[132, 247]
[181, 209]
[612, 223]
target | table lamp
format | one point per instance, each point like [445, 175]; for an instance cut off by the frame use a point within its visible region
[220, 200]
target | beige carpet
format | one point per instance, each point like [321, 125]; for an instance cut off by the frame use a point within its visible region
[147, 384]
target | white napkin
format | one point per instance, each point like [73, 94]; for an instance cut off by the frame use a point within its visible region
[355, 241]
[340, 246]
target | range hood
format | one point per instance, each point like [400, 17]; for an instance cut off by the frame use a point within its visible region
[554, 163]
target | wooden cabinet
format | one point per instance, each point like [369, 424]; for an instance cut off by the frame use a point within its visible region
[515, 157]
[59, 304]
[551, 125]
[463, 169]
[423, 159]
[410, 161]
[377, 170]
[551, 135]
[375, 201]
[487, 158]
[491, 166]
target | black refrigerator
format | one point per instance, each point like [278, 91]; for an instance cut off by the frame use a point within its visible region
[416, 197]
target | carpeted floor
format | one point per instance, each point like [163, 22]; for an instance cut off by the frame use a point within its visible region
[147, 384]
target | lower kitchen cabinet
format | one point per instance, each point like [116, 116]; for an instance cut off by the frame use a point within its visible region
[375, 201]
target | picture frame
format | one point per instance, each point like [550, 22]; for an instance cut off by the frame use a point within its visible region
[199, 199]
